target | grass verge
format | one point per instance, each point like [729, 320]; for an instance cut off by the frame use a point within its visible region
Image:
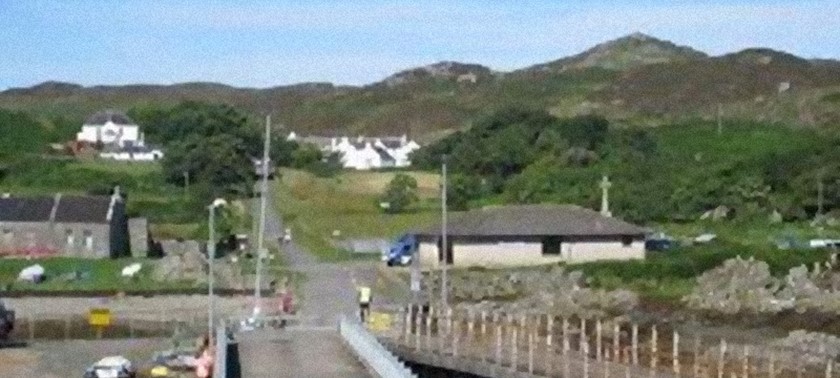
[315, 207]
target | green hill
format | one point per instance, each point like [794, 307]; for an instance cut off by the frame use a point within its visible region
[633, 79]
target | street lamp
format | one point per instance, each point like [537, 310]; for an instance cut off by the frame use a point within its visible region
[211, 255]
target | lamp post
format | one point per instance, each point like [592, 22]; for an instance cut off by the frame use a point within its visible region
[211, 255]
[444, 290]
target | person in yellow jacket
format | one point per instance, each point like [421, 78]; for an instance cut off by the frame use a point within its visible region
[364, 302]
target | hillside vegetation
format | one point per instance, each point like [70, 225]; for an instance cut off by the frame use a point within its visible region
[635, 79]
[672, 173]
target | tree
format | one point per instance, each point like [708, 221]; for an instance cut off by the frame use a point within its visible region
[461, 190]
[220, 161]
[306, 156]
[400, 193]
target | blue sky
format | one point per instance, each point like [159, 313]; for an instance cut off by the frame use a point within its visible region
[267, 43]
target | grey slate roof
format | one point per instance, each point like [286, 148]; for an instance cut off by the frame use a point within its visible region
[83, 209]
[115, 116]
[384, 155]
[71, 209]
[31, 209]
[535, 220]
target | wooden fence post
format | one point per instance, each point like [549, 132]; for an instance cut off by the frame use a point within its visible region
[635, 343]
[616, 341]
[470, 332]
[598, 340]
[582, 334]
[721, 357]
[653, 356]
[456, 328]
[549, 329]
[696, 357]
[531, 351]
[585, 353]
[448, 320]
[428, 329]
[565, 335]
[828, 367]
[409, 323]
[498, 343]
[514, 352]
[675, 355]
[745, 362]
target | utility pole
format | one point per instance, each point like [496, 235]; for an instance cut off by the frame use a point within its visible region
[444, 284]
[719, 119]
[820, 195]
[263, 193]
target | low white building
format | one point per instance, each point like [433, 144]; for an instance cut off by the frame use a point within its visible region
[363, 153]
[132, 153]
[531, 235]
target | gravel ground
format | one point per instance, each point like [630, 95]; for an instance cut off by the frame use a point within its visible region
[70, 358]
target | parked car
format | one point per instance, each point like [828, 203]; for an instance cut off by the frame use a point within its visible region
[401, 251]
[111, 367]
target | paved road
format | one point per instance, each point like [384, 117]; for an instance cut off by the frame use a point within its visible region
[312, 348]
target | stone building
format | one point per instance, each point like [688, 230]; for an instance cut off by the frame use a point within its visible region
[64, 225]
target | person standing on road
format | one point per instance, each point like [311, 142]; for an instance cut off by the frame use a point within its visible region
[364, 302]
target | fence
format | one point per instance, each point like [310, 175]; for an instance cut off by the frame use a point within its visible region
[370, 351]
[496, 343]
[75, 326]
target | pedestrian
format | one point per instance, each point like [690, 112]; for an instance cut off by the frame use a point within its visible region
[364, 302]
[204, 359]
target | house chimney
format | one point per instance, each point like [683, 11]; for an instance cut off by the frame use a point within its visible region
[333, 144]
[360, 139]
[117, 193]
[404, 140]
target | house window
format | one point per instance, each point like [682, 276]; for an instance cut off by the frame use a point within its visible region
[88, 240]
[626, 241]
[551, 245]
[71, 239]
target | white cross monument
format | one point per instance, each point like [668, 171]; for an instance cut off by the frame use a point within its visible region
[605, 199]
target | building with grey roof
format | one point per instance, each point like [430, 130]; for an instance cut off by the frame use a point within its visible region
[66, 225]
[531, 235]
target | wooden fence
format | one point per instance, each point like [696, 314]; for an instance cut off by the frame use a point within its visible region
[494, 343]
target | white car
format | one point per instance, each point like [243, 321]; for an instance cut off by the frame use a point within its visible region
[111, 367]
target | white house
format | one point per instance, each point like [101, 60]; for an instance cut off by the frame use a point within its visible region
[363, 153]
[531, 235]
[120, 137]
[110, 127]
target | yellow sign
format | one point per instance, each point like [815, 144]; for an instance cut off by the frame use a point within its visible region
[99, 317]
[380, 321]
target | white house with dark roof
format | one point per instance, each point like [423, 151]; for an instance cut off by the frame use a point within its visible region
[364, 153]
[120, 137]
[110, 127]
[531, 235]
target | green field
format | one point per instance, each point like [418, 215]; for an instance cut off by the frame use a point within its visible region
[95, 275]
[315, 207]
